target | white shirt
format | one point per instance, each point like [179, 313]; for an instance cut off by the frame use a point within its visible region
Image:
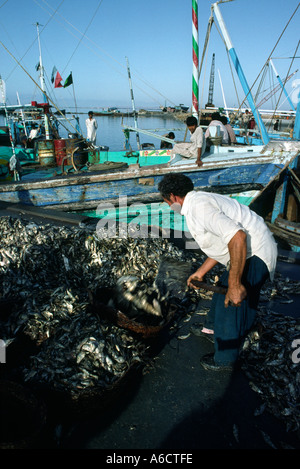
[223, 130]
[197, 140]
[214, 219]
[91, 127]
[33, 133]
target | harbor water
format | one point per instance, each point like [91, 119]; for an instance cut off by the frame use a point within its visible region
[110, 130]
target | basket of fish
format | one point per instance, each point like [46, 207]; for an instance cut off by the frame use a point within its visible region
[134, 306]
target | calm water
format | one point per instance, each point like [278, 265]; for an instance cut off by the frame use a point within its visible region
[110, 130]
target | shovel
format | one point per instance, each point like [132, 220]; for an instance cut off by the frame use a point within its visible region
[172, 277]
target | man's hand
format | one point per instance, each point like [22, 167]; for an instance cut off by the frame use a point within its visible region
[235, 296]
[199, 163]
[192, 277]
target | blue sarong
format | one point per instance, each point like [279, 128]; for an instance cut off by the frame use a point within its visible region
[232, 324]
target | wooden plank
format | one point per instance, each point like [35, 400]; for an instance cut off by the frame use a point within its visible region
[32, 211]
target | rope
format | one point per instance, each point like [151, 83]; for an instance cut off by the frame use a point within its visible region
[48, 98]
[270, 55]
[33, 42]
[285, 80]
[100, 3]
[112, 58]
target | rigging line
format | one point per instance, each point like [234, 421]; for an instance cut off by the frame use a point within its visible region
[49, 99]
[285, 80]
[270, 55]
[86, 37]
[3, 4]
[83, 35]
[152, 87]
[234, 83]
[261, 84]
[230, 66]
[108, 55]
[33, 42]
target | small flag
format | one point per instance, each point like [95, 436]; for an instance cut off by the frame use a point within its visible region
[53, 74]
[68, 81]
[58, 80]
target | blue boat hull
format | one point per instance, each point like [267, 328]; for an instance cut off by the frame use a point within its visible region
[89, 189]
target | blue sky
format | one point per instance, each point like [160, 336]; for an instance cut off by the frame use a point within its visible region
[92, 40]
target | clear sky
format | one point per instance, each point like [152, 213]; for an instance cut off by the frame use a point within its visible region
[92, 39]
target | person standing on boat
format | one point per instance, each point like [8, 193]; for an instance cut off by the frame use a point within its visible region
[91, 127]
[33, 135]
[196, 147]
[245, 121]
[251, 124]
[231, 234]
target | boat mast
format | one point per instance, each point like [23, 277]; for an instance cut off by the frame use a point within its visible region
[281, 84]
[296, 132]
[224, 100]
[195, 82]
[133, 105]
[43, 85]
[240, 73]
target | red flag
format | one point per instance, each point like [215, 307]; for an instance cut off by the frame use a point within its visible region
[58, 79]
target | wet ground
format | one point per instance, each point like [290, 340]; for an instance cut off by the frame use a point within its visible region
[178, 406]
[174, 405]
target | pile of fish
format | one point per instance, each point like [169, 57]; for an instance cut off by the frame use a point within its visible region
[47, 273]
[271, 355]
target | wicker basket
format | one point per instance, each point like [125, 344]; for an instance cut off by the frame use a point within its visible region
[120, 319]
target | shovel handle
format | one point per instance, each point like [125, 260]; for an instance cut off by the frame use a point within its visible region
[206, 286]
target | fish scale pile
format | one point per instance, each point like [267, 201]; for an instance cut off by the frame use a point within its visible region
[270, 356]
[47, 272]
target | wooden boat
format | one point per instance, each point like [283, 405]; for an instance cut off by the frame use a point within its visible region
[280, 206]
[238, 171]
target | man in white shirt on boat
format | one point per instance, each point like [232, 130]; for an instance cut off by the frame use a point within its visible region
[231, 234]
[193, 150]
[91, 127]
[34, 132]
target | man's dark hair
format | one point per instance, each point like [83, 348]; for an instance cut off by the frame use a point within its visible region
[215, 116]
[176, 184]
[191, 120]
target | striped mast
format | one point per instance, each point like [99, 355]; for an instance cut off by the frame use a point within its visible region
[240, 73]
[195, 83]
